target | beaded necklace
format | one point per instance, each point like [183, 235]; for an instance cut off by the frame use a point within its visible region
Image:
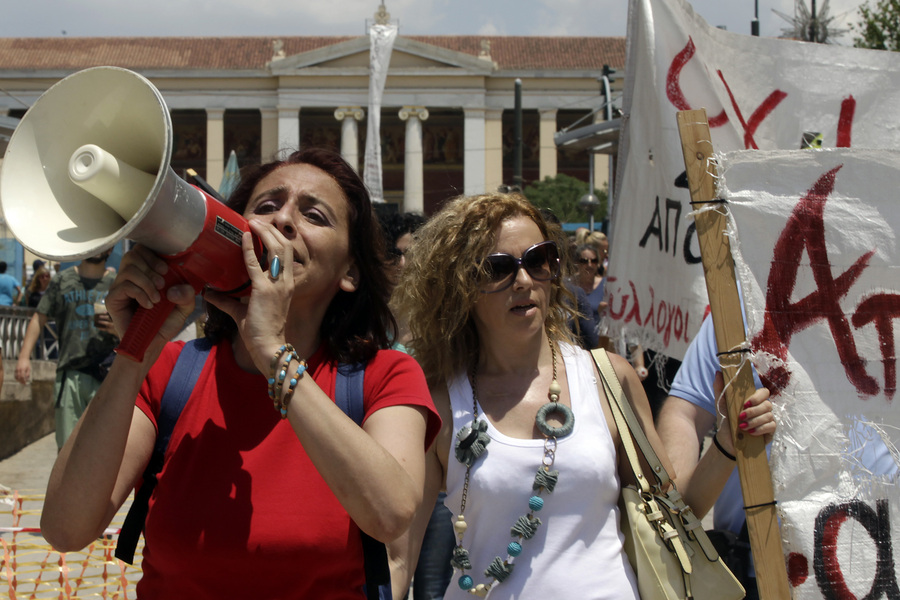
[470, 444]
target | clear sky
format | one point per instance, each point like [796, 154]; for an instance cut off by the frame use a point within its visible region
[51, 18]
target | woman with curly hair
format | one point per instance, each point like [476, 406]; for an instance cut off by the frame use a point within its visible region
[39, 283]
[256, 502]
[488, 313]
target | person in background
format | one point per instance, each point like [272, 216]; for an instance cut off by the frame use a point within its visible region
[398, 230]
[633, 350]
[83, 343]
[587, 261]
[36, 287]
[433, 570]
[265, 476]
[599, 240]
[35, 265]
[10, 290]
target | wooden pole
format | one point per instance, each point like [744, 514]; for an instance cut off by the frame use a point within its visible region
[728, 322]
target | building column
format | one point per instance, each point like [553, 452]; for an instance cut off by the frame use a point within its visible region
[493, 154]
[548, 152]
[349, 116]
[215, 146]
[413, 163]
[474, 151]
[288, 130]
[268, 142]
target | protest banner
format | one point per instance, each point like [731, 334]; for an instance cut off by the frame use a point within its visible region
[814, 237]
[759, 93]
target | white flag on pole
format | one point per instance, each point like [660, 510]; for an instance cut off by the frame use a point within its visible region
[381, 39]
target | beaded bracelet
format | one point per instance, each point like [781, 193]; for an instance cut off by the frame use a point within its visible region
[277, 377]
[301, 369]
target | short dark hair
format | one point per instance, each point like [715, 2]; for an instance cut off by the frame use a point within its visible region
[2, 266]
[356, 324]
[395, 225]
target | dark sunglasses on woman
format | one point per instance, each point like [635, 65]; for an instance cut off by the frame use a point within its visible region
[541, 262]
[588, 261]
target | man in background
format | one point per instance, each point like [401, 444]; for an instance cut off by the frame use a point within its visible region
[84, 344]
[10, 290]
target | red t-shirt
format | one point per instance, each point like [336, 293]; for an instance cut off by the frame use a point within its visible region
[240, 511]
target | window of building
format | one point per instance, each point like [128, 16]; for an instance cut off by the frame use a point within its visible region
[243, 133]
[189, 142]
[319, 129]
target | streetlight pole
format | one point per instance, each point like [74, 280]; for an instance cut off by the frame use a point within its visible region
[813, 26]
[589, 202]
[518, 180]
[754, 24]
[607, 97]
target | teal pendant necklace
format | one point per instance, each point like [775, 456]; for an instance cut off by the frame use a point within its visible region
[471, 443]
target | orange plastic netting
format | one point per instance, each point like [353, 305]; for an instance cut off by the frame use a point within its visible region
[30, 568]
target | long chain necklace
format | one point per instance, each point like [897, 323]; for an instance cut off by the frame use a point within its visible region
[470, 444]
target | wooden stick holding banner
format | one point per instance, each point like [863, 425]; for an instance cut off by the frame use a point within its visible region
[725, 305]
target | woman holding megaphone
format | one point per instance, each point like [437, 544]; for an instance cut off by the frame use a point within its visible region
[266, 482]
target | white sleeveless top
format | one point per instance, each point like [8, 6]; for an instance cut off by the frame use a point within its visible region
[577, 551]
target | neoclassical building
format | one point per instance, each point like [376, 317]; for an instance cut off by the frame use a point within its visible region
[258, 96]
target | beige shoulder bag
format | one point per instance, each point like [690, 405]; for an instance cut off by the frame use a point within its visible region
[669, 551]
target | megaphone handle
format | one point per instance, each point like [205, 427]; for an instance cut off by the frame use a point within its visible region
[146, 322]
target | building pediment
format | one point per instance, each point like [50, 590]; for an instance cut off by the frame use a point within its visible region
[408, 57]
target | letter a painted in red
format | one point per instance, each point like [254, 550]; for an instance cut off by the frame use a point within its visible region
[806, 229]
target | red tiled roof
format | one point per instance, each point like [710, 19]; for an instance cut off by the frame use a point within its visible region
[519, 52]
[253, 53]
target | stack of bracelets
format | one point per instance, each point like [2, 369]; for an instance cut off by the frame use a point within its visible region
[285, 355]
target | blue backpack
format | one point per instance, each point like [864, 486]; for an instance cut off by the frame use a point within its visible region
[348, 397]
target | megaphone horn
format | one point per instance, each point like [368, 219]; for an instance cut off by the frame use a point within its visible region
[88, 165]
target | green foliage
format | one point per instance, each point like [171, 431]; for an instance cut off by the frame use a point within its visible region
[561, 195]
[879, 26]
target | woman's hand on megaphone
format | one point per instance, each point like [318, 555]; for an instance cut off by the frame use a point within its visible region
[140, 283]
[261, 317]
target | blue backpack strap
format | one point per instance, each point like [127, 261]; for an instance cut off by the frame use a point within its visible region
[349, 396]
[181, 383]
[348, 391]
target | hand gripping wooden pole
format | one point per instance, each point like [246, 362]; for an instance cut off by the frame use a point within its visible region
[725, 306]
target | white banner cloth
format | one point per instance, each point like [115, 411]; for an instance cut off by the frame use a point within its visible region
[758, 93]
[814, 235]
[381, 44]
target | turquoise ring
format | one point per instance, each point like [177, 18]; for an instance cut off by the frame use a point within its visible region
[275, 268]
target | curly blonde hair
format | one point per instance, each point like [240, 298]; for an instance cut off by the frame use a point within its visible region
[439, 285]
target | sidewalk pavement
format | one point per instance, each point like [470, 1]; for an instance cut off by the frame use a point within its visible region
[29, 469]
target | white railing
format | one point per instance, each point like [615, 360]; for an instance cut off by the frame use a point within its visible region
[13, 323]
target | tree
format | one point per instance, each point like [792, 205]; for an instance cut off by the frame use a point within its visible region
[561, 195]
[879, 26]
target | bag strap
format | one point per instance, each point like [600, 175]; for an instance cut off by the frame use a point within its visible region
[349, 397]
[181, 382]
[607, 372]
[617, 398]
[629, 430]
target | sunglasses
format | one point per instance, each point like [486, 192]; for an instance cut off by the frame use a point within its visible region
[588, 261]
[541, 262]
